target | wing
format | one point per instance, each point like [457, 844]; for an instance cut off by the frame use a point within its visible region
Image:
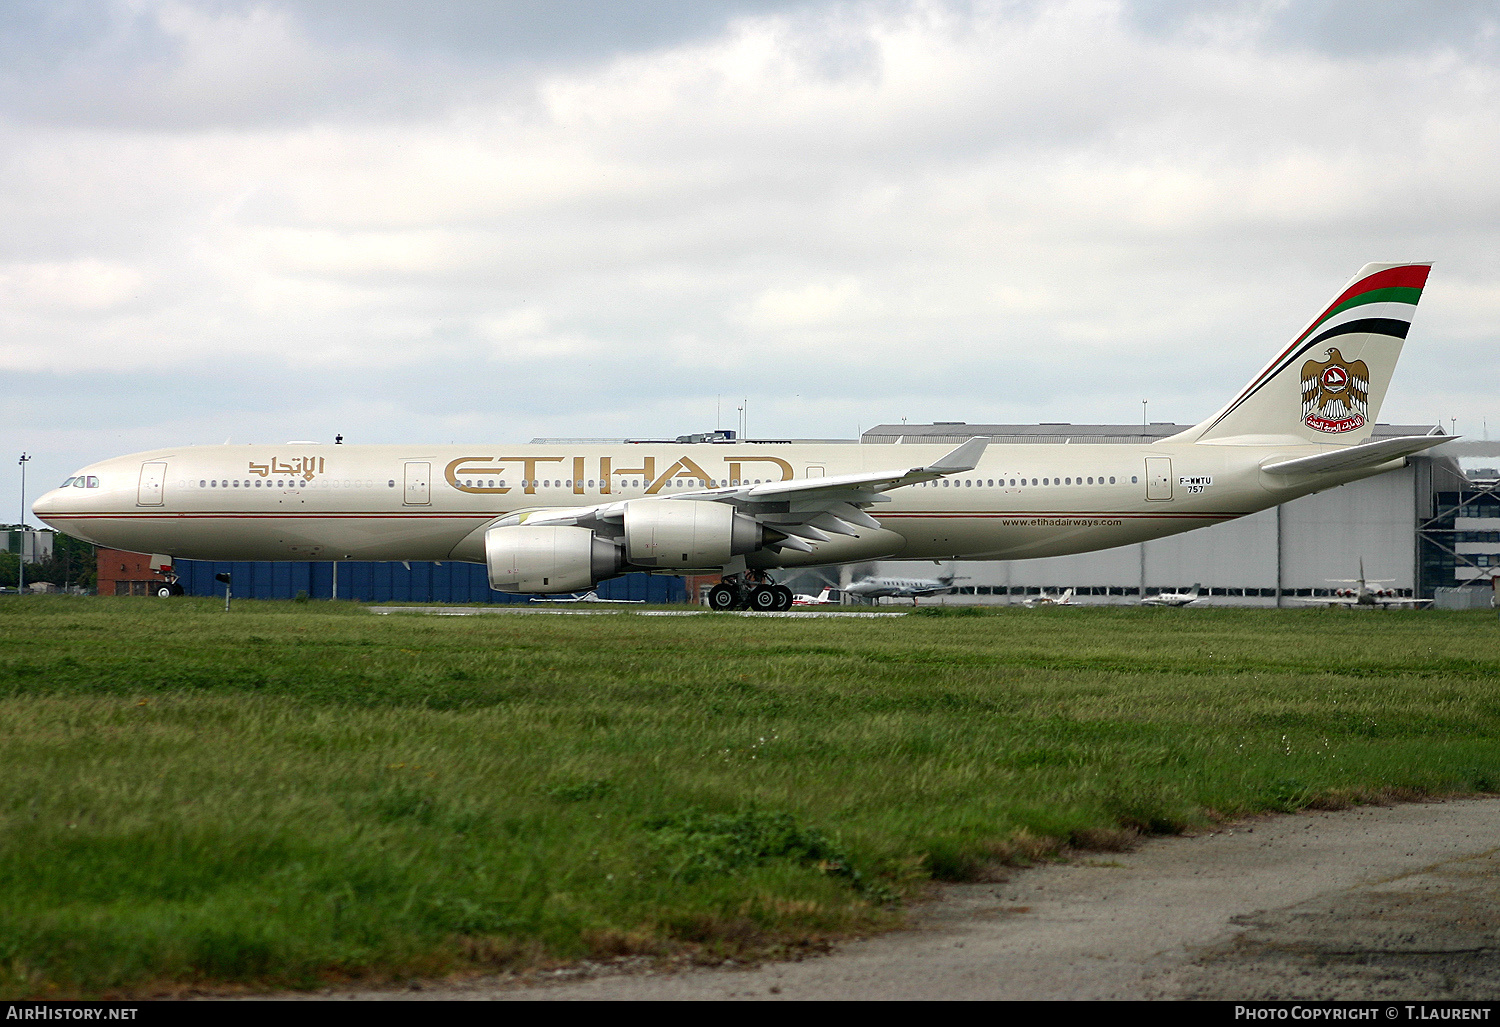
[800, 511]
[1312, 382]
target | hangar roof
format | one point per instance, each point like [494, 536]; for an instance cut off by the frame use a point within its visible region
[956, 432]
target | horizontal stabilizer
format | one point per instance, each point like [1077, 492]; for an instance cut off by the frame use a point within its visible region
[1370, 454]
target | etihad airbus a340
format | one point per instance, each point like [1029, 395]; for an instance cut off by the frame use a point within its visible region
[559, 518]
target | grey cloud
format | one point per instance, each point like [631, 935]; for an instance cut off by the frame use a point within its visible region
[1354, 28]
[528, 32]
[109, 62]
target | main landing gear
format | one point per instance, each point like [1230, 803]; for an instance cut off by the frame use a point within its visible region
[752, 591]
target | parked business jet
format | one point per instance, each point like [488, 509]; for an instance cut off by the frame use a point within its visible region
[1175, 598]
[558, 518]
[902, 588]
[1362, 594]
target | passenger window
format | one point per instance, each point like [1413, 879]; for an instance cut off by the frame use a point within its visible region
[1133, 479]
[1111, 479]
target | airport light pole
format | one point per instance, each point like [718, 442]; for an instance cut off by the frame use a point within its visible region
[21, 546]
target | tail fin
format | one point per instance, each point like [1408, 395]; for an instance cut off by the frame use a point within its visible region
[1327, 386]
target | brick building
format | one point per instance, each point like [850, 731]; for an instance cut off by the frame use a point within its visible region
[125, 574]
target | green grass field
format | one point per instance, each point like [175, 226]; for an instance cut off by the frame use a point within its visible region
[301, 792]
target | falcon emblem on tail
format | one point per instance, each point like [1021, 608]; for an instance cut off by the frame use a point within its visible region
[1335, 393]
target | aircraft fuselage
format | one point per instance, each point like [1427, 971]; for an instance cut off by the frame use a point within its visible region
[380, 502]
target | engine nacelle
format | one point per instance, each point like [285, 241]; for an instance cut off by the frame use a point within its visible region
[548, 558]
[686, 533]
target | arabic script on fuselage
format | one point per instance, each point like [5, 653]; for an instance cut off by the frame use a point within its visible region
[304, 467]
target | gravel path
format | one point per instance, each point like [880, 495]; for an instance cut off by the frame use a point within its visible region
[1377, 902]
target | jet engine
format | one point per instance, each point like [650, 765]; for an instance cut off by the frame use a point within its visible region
[683, 533]
[548, 558]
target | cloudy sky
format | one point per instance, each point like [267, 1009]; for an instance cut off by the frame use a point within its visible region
[500, 219]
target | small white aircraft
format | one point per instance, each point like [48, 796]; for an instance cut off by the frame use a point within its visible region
[1061, 599]
[903, 588]
[1175, 598]
[821, 599]
[586, 597]
[1362, 594]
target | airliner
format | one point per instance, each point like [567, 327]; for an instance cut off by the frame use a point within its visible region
[559, 518]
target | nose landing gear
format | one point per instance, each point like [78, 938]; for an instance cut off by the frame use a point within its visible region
[751, 591]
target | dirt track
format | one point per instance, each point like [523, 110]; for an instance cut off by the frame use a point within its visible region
[1382, 902]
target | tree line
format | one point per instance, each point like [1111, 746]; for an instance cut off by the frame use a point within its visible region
[72, 563]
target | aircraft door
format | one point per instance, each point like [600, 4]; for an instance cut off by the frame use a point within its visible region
[1158, 477]
[153, 473]
[418, 483]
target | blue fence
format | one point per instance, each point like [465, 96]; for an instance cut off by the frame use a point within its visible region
[393, 582]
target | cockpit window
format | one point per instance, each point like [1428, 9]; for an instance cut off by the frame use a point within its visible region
[67, 483]
[93, 482]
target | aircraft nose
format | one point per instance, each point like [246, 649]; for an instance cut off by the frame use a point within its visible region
[46, 503]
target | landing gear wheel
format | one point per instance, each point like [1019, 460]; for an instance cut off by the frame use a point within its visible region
[763, 598]
[164, 591]
[783, 597]
[722, 597]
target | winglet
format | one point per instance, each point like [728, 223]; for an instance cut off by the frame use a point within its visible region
[964, 458]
